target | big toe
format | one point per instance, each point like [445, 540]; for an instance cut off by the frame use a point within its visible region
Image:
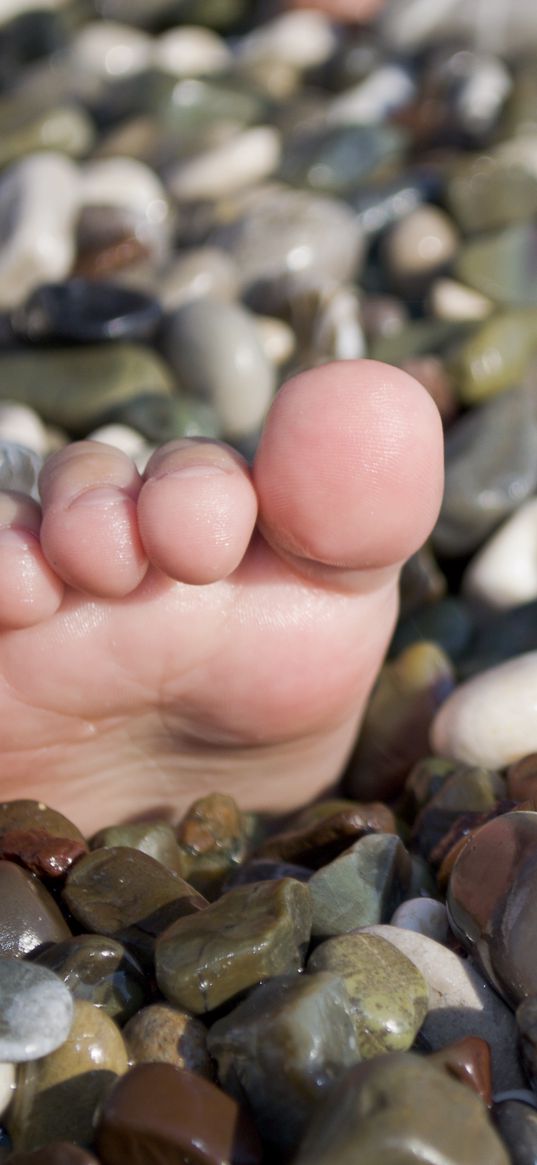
[349, 471]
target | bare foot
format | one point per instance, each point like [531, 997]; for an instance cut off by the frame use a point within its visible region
[207, 627]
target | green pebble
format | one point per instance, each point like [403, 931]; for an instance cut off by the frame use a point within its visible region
[251, 933]
[388, 994]
[361, 887]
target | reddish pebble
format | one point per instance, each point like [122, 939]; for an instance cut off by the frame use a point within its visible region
[469, 1060]
[36, 850]
[167, 1116]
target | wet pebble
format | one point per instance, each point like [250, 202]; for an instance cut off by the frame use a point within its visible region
[36, 1010]
[99, 970]
[312, 1041]
[29, 915]
[469, 1061]
[212, 840]
[490, 902]
[58, 1095]
[127, 895]
[361, 887]
[163, 1034]
[401, 1100]
[160, 1112]
[389, 996]
[249, 934]
[324, 831]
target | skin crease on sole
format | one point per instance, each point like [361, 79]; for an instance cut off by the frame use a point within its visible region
[211, 626]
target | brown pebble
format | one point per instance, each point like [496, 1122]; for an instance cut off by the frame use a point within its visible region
[468, 1060]
[522, 778]
[318, 842]
[36, 850]
[29, 915]
[163, 1034]
[26, 814]
[164, 1115]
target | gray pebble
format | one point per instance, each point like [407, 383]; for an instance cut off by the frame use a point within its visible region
[36, 1010]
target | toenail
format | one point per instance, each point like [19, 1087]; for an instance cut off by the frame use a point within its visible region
[99, 496]
[196, 469]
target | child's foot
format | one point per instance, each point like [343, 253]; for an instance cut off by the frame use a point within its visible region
[125, 693]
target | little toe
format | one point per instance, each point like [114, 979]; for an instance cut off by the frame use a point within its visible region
[349, 471]
[89, 532]
[29, 590]
[196, 510]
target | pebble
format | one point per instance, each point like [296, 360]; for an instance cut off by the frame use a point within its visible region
[282, 231]
[29, 915]
[401, 1105]
[467, 790]
[503, 573]
[389, 996]
[158, 1112]
[395, 729]
[212, 839]
[104, 52]
[76, 388]
[324, 831]
[58, 1095]
[448, 622]
[469, 1060]
[129, 896]
[243, 160]
[300, 39]
[312, 1041]
[19, 467]
[99, 970]
[517, 1124]
[458, 992]
[451, 300]
[490, 902]
[232, 373]
[337, 159]
[497, 356]
[86, 311]
[134, 189]
[490, 719]
[196, 273]
[36, 1010]
[156, 838]
[522, 778]
[276, 338]
[361, 887]
[422, 243]
[65, 129]
[160, 1033]
[121, 437]
[190, 51]
[500, 265]
[491, 468]
[493, 190]
[424, 916]
[38, 232]
[23, 426]
[385, 90]
[249, 934]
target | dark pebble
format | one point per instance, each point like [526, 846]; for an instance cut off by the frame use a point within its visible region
[84, 310]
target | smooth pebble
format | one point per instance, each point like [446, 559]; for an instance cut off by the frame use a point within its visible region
[227, 169]
[36, 1010]
[490, 719]
[425, 916]
[503, 573]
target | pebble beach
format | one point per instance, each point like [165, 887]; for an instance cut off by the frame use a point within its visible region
[198, 199]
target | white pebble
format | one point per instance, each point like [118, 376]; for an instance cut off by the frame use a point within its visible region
[421, 242]
[21, 424]
[424, 916]
[243, 160]
[39, 201]
[461, 1002]
[276, 337]
[128, 183]
[451, 300]
[189, 51]
[11, 8]
[301, 39]
[7, 1085]
[491, 719]
[19, 468]
[107, 51]
[122, 437]
[504, 572]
